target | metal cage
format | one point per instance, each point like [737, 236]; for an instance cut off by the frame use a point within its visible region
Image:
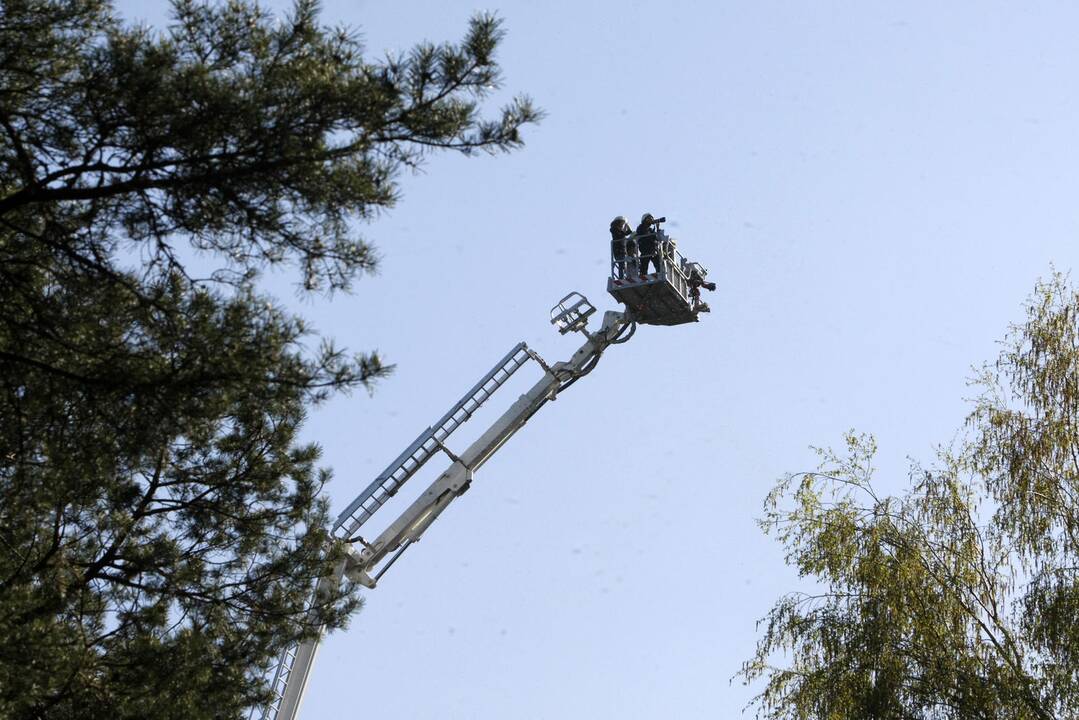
[663, 296]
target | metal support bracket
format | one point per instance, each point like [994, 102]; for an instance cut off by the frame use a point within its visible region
[449, 453]
[539, 360]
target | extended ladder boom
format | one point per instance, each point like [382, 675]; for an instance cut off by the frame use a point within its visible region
[570, 315]
[411, 524]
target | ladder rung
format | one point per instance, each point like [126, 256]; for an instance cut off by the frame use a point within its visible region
[410, 461]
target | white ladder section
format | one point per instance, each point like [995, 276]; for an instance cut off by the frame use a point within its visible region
[427, 444]
[294, 666]
[388, 482]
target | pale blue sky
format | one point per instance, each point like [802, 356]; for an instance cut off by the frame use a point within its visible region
[875, 187]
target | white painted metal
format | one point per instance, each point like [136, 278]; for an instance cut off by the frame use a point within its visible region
[294, 667]
[571, 313]
[411, 524]
[296, 679]
[429, 442]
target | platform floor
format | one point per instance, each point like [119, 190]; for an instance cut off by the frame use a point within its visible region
[654, 301]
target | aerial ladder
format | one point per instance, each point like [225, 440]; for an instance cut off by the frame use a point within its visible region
[668, 296]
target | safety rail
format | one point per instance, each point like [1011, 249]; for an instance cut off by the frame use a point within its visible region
[672, 264]
[571, 313]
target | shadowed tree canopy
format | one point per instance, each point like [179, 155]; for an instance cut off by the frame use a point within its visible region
[160, 522]
[960, 597]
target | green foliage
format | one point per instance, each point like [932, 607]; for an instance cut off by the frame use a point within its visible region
[161, 525]
[959, 598]
[256, 139]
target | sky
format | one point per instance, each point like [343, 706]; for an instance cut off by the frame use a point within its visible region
[875, 187]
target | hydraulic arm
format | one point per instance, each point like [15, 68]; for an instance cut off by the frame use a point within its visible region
[368, 560]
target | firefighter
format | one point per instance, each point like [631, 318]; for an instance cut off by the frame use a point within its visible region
[647, 243]
[696, 282]
[620, 253]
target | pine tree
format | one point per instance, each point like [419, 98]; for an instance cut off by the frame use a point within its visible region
[160, 523]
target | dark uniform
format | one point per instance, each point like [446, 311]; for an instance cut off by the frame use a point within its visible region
[696, 282]
[647, 243]
[620, 232]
